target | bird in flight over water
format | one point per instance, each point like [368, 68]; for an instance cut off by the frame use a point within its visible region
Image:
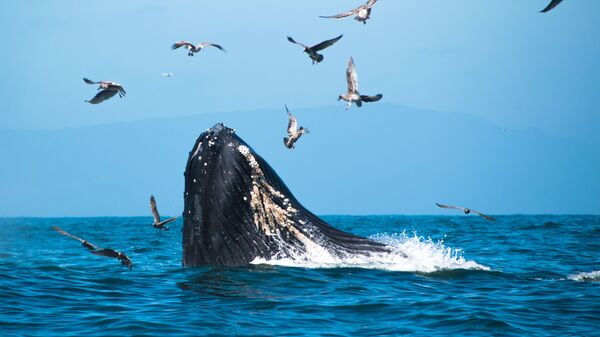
[353, 96]
[98, 250]
[192, 49]
[362, 13]
[107, 90]
[157, 223]
[467, 211]
[294, 133]
[312, 51]
[551, 5]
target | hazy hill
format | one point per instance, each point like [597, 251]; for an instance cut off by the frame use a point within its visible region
[377, 159]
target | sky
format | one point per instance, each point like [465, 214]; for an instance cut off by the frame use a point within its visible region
[499, 61]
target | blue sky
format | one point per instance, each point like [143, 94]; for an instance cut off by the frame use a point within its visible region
[499, 61]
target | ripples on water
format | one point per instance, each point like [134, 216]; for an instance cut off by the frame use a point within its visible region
[522, 275]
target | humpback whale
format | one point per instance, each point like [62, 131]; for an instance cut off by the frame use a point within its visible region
[237, 209]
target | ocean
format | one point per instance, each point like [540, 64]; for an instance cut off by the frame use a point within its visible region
[447, 275]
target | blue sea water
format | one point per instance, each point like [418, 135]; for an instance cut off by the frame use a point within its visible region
[521, 275]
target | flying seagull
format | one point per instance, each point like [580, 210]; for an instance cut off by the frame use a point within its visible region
[551, 5]
[97, 250]
[109, 89]
[194, 48]
[353, 96]
[312, 51]
[294, 133]
[363, 13]
[466, 211]
[157, 223]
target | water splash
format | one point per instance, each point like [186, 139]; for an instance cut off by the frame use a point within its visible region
[593, 276]
[407, 253]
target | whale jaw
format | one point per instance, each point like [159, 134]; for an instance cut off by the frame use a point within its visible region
[237, 209]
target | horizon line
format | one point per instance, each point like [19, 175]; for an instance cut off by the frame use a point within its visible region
[320, 215]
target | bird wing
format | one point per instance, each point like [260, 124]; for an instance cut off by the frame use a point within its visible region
[103, 96]
[338, 16]
[487, 217]
[88, 81]
[351, 76]
[182, 43]
[289, 38]
[125, 260]
[85, 243]
[208, 44]
[449, 206]
[154, 209]
[551, 5]
[160, 224]
[325, 43]
[292, 122]
[106, 252]
[370, 3]
[366, 98]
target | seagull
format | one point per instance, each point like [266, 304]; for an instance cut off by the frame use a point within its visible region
[167, 74]
[353, 96]
[194, 49]
[467, 211]
[97, 250]
[109, 89]
[363, 13]
[294, 133]
[312, 51]
[157, 223]
[551, 5]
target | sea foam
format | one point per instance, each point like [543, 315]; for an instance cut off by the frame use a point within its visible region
[593, 276]
[408, 253]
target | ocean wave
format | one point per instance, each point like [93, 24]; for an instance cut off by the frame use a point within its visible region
[407, 254]
[593, 276]
[545, 225]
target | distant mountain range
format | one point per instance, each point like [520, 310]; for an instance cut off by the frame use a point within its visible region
[380, 159]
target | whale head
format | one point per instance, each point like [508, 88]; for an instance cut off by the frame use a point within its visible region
[237, 209]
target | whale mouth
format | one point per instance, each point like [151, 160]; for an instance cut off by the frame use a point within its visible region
[237, 210]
